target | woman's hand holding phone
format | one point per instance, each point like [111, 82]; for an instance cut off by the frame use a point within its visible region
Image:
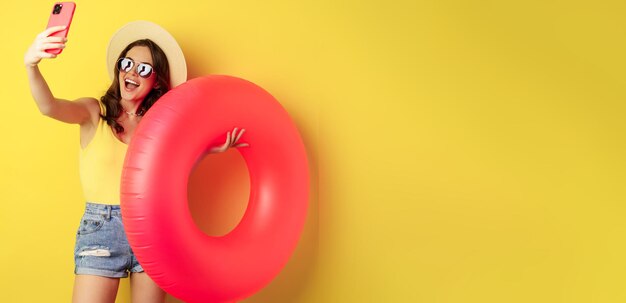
[51, 42]
[37, 51]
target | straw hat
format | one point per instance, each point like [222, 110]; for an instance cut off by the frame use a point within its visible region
[137, 30]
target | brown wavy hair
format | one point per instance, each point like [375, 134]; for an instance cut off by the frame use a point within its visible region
[111, 99]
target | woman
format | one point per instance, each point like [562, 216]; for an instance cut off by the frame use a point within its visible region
[142, 74]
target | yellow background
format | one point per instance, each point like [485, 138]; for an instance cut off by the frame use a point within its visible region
[461, 151]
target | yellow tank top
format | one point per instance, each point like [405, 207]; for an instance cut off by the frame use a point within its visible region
[100, 166]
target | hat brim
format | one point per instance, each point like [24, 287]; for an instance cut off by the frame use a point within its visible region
[138, 30]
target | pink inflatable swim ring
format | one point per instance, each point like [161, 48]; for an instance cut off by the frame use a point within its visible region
[175, 135]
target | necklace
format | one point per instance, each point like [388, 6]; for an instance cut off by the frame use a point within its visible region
[132, 114]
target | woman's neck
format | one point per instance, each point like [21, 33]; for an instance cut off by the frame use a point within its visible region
[130, 107]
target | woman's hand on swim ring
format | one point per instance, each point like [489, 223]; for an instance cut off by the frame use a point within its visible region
[37, 50]
[231, 141]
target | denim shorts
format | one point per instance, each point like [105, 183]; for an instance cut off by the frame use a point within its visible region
[101, 245]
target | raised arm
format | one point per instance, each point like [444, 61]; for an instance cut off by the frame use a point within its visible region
[77, 112]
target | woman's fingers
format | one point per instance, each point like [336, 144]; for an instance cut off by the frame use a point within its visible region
[54, 39]
[239, 136]
[46, 46]
[52, 30]
[231, 141]
[44, 54]
[234, 135]
[43, 42]
[235, 144]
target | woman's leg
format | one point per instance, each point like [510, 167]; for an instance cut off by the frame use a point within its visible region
[94, 289]
[144, 290]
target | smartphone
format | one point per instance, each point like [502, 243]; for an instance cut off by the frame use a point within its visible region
[62, 14]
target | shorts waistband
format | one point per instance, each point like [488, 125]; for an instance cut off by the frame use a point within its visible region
[103, 209]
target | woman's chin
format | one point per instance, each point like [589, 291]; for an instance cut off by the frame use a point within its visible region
[131, 96]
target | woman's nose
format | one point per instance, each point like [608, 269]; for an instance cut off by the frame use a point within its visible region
[133, 71]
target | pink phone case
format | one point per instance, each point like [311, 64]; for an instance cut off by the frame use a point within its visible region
[62, 13]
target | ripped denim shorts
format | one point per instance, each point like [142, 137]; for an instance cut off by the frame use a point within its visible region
[101, 245]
